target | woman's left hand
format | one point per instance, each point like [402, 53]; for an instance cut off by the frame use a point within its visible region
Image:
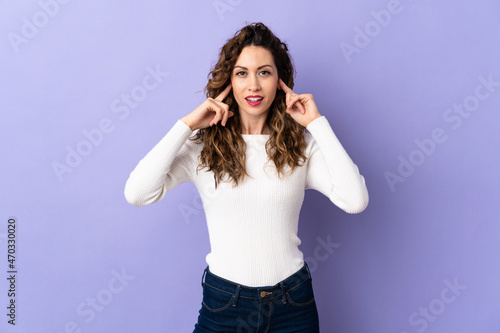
[302, 107]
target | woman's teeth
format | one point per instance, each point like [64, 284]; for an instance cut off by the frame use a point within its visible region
[254, 99]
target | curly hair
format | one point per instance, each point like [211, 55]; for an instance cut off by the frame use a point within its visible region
[224, 148]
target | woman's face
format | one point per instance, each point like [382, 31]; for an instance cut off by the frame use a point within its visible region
[254, 81]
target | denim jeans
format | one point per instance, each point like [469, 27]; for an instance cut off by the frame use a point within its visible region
[288, 306]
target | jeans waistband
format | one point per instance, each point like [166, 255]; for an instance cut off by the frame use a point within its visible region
[257, 293]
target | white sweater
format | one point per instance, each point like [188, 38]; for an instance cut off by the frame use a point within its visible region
[252, 227]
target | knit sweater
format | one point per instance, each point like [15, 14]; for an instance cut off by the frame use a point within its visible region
[252, 227]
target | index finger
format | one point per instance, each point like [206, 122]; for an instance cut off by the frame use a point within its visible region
[224, 93]
[285, 87]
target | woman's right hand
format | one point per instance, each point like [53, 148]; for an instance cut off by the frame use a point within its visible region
[203, 116]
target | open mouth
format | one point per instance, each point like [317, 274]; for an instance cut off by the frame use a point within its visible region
[254, 99]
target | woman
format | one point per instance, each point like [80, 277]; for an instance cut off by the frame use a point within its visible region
[250, 138]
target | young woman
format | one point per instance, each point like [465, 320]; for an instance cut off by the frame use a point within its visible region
[250, 138]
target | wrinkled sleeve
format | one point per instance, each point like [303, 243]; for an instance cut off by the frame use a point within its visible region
[167, 165]
[331, 171]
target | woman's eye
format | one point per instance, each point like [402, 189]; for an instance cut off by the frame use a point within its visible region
[241, 73]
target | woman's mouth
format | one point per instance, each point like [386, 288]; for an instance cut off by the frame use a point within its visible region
[254, 100]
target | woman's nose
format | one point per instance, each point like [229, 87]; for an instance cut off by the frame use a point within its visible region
[253, 83]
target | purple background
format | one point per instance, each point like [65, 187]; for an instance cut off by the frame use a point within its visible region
[391, 265]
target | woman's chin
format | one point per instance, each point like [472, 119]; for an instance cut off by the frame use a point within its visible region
[254, 111]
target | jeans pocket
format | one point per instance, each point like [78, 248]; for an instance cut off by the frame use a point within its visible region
[215, 300]
[301, 294]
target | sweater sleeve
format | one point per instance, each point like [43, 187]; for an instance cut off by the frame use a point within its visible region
[331, 171]
[167, 165]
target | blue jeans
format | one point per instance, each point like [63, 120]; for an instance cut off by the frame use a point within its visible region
[288, 306]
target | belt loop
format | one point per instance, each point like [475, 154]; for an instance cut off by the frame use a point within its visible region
[237, 295]
[308, 272]
[283, 297]
[203, 276]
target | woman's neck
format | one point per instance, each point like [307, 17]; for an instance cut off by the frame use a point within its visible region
[254, 126]
[265, 131]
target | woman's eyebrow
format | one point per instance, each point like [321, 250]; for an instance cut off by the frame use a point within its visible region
[257, 68]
